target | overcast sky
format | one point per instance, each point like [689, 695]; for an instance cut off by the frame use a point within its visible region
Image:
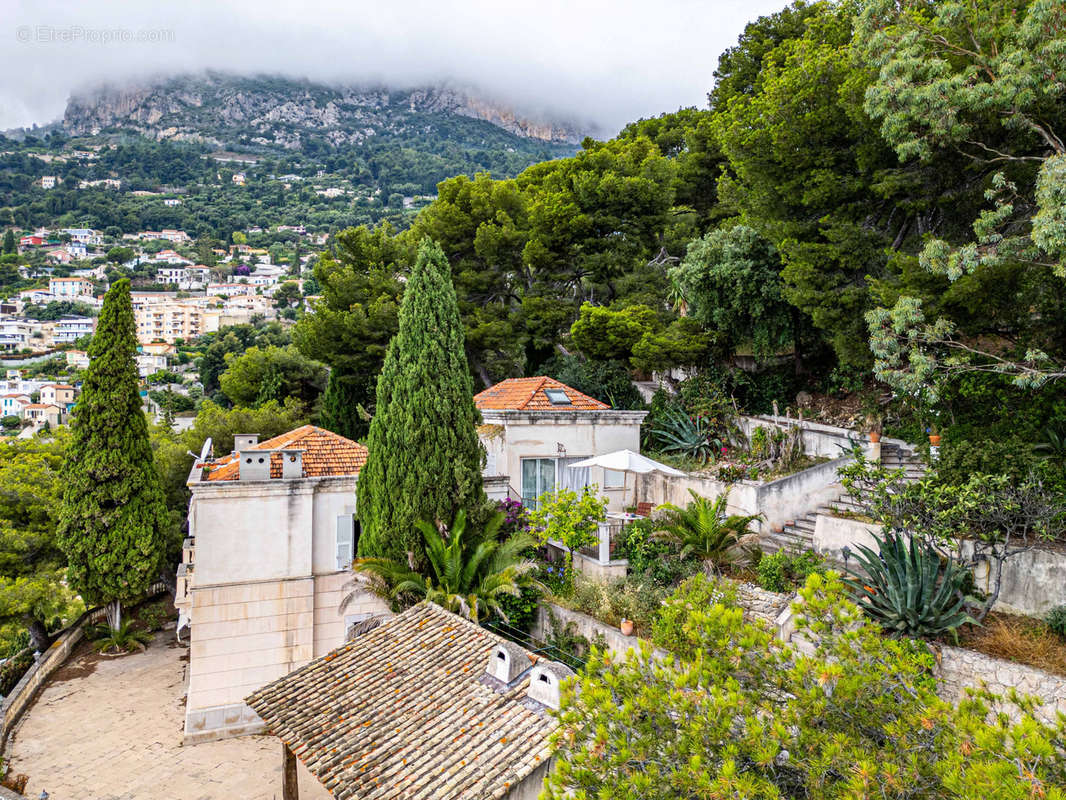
[588, 60]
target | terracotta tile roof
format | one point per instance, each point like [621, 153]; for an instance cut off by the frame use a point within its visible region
[325, 453]
[405, 711]
[528, 394]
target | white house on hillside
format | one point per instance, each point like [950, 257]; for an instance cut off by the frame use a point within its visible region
[271, 537]
[534, 428]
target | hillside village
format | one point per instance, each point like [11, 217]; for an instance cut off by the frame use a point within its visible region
[385, 445]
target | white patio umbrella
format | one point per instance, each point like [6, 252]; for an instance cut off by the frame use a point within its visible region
[628, 461]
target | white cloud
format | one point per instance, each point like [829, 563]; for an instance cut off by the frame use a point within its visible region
[604, 62]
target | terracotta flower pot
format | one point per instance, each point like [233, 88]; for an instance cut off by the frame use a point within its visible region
[934, 439]
[626, 627]
[875, 437]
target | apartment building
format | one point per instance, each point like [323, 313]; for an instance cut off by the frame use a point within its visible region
[70, 288]
[69, 329]
[163, 318]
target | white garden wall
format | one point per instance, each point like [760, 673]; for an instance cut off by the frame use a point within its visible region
[1034, 581]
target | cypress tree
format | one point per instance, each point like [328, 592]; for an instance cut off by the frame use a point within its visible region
[113, 517]
[340, 411]
[425, 458]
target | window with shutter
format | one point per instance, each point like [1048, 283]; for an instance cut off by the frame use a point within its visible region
[345, 540]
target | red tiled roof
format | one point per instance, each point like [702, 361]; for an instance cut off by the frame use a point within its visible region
[527, 394]
[325, 454]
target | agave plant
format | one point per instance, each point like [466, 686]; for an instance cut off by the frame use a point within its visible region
[704, 530]
[124, 638]
[467, 573]
[693, 437]
[909, 589]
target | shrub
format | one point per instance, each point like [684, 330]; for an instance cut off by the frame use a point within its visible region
[773, 571]
[12, 671]
[652, 558]
[671, 629]
[959, 460]
[153, 616]
[634, 598]
[782, 572]
[1056, 620]
[521, 609]
[637, 545]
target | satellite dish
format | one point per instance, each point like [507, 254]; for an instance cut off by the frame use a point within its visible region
[205, 451]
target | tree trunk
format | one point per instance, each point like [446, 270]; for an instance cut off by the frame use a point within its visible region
[113, 613]
[290, 789]
[39, 637]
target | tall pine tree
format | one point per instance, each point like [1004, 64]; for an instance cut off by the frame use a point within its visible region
[113, 518]
[425, 458]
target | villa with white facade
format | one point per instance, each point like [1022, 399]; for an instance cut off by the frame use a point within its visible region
[271, 539]
[534, 428]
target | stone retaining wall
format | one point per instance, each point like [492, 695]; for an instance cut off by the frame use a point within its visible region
[25, 691]
[762, 603]
[960, 669]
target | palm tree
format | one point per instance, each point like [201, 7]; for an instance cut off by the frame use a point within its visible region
[466, 573]
[703, 529]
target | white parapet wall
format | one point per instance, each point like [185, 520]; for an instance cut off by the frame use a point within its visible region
[778, 501]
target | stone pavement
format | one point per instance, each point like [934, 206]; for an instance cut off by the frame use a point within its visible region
[105, 729]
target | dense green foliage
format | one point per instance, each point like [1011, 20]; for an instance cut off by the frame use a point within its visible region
[113, 517]
[32, 574]
[786, 572]
[425, 458]
[258, 376]
[853, 715]
[341, 410]
[469, 572]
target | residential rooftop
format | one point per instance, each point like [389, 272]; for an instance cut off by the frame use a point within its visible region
[325, 454]
[535, 394]
[408, 711]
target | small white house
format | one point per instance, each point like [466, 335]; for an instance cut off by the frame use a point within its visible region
[534, 428]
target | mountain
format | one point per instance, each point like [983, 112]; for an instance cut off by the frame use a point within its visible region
[280, 113]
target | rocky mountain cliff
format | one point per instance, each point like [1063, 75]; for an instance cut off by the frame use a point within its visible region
[279, 112]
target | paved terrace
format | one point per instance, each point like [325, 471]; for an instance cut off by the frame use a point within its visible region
[111, 728]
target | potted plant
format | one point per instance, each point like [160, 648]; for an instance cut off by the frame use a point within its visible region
[626, 627]
[874, 422]
[934, 435]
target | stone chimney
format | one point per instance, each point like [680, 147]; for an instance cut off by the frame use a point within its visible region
[545, 680]
[508, 662]
[255, 465]
[243, 441]
[292, 464]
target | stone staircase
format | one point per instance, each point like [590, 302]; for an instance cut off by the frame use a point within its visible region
[797, 535]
